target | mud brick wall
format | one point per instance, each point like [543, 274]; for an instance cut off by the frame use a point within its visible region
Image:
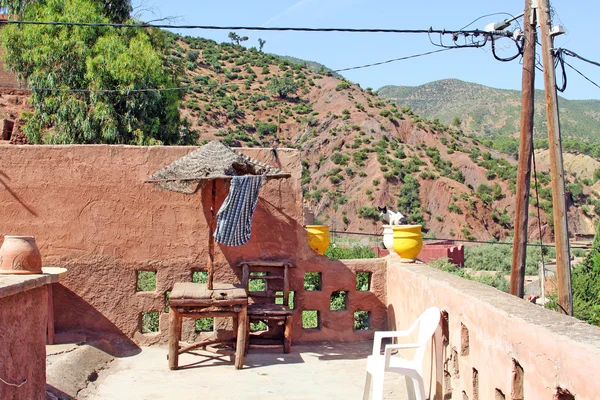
[23, 344]
[491, 345]
[92, 213]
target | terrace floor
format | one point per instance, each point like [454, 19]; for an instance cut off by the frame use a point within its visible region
[311, 371]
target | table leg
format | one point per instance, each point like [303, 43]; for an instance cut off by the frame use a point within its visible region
[174, 336]
[287, 335]
[50, 332]
[240, 347]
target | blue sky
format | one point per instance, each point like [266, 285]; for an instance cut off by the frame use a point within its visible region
[342, 50]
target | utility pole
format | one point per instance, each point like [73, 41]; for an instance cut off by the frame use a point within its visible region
[519, 256]
[561, 233]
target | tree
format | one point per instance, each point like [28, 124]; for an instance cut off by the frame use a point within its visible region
[118, 11]
[236, 39]
[261, 44]
[586, 285]
[282, 87]
[69, 70]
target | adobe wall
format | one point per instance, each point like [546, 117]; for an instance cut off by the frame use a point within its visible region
[23, 345]
[495, 342]
[92, 213]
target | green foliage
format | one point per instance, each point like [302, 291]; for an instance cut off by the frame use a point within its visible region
[496, 257]
[282, 87]
[586, 285]
[342, 85]
[343, 253]
[408, 201]
[339, 159]
[265, 128]
[61, 57]
[497, 280]
[368, 212]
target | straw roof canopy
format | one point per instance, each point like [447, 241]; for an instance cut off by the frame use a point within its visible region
[212, 161]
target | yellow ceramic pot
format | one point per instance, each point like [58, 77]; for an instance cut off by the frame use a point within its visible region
[408, 241]
[318, 237]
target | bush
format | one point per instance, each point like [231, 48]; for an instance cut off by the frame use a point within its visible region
[342, 253]
[342, 85]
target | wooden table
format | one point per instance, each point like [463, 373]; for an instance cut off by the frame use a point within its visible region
[195, 300]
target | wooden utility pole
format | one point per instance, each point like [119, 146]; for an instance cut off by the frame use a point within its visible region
[561, 233]
[519, 256]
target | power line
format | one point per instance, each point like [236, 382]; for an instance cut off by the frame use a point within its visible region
[394, 59]
[573, 54]
[489, 15]
[475, 32]
[580, 73]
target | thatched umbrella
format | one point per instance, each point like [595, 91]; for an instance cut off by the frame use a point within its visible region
[210, 162]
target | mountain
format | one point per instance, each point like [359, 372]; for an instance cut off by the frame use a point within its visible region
[360, 151]
[311, 65]
[483, 110]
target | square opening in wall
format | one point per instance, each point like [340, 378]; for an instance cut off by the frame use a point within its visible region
[150, 322]
[146, 281]
[361, 320]
[312, 281]
[279, 299]
[363, 281]
[337, 301]
[200, 277]
[167, 295]
[205, 324]
[310, 319]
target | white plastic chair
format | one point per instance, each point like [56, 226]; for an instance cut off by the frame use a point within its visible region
[378, 364]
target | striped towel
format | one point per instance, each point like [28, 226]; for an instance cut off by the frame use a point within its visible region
[234, 219]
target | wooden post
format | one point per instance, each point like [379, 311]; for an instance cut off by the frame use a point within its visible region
[50, 332]
[242, 337]
[519, 256]
[174, 336]
[561, 233]
[211, 234]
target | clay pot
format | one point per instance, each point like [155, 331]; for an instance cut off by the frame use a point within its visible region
[318, 237]
[388, 237]
[20, 255]
[408, 241]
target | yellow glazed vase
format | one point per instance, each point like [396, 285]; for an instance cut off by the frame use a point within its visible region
[318, 237]
[408, 241]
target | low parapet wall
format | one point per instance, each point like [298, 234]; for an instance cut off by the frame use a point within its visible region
[491, 345]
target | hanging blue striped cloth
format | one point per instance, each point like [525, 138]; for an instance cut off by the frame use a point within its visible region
[234, 219]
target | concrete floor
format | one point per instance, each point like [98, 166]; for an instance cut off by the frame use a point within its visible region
[316, 371]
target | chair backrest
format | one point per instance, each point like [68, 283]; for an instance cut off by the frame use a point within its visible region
[428, 323]
[275, 281]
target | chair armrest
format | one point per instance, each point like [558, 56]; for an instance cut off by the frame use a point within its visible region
[390, 347]
[379, 335]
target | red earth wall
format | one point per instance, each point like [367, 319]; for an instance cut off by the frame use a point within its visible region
[92, 213]
[23, 344]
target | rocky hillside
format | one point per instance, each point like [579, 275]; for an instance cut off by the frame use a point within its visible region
[483, 110]
[359, 150]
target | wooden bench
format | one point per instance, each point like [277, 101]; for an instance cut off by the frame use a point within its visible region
[195, 300]
[262, 305]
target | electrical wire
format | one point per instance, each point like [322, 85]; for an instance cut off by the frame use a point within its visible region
[573, 54]
[394, 59]
[559, 60]
[580, 73]
[519, 51]
[242, 28]
[539, 217]
[490, 15]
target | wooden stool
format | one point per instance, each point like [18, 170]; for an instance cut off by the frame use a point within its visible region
[195, 300]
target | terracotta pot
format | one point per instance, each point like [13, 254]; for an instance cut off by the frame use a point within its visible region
[408, 241]
[388, 237]
[318, 237]
[20, 255]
